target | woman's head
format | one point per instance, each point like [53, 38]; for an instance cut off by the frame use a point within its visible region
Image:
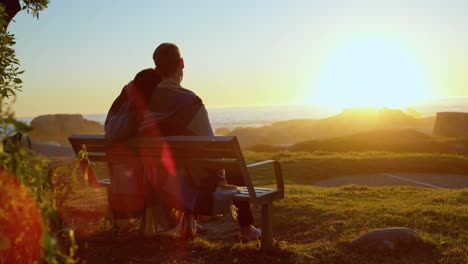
[146, 80]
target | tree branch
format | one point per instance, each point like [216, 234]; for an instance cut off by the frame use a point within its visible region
[12, 7]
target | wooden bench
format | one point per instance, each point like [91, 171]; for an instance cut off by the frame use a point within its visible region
[220, 152]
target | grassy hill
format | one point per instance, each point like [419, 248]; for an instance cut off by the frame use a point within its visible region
[312, 225]
[377, 140]
[307, 168]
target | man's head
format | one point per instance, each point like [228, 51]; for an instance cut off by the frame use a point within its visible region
[168, 61]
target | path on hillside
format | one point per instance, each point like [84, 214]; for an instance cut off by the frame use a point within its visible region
[438, 181]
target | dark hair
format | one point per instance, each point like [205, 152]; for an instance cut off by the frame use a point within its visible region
[146, 79]
[167, 58]
[145, 82]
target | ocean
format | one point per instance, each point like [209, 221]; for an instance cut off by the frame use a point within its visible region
[252, 116]
[265, 115]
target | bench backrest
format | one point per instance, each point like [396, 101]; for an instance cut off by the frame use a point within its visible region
[221, 152]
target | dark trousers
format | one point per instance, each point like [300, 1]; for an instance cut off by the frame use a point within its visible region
[205, 199]
[244, 213]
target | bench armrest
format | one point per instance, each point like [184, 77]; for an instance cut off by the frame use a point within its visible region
[278, 172]
[260, 163]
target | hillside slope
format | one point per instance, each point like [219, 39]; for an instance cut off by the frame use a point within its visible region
[350, 121]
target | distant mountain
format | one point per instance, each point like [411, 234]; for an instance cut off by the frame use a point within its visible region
[348, 122]
[449, 104]
[57, 128]
[377, 140]
[405, 140]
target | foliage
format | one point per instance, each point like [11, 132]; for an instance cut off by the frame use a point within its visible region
[35, 6]
[47, 187]
[10, 83]
[30, 226]
[20, 223]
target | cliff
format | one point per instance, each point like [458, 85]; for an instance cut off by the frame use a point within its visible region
[451, 124]
[57, 128]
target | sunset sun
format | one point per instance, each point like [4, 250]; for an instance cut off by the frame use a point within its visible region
[370, 72]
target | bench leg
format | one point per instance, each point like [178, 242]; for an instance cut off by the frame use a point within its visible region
[149, 222]
[267, 228]
[142, 228]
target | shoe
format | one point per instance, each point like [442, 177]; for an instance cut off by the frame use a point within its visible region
[185, 229]
[250, 233]
[201, 229]
[125, 226]
[191, 229]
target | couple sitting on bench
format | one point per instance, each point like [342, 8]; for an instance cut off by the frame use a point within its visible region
[154, 104]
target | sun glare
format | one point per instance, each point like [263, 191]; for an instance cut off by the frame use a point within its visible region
[370, 72]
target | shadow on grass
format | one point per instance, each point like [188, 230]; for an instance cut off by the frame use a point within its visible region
[106, 247]
[298, 222]
[422, 253]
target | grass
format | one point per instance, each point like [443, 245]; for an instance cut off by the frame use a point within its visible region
[315, 225]
[338, 215]
[307, 167]
[312, 224]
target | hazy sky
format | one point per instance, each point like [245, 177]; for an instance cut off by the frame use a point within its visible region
[80, 54]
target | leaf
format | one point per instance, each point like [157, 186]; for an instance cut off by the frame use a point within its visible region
[4, 243]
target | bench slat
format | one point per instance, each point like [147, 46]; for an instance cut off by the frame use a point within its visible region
[176, 153]
[187, 145]
[87, 139]
[188, 163]
[264, 195]
[186, 139]
[174, 141]
[95, 148]
[211, 147]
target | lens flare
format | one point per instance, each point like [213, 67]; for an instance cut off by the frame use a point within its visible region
[20, 223]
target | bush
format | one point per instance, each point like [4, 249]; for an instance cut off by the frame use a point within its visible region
[31, 193]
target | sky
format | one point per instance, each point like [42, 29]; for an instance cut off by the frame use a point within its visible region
[79, 54]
